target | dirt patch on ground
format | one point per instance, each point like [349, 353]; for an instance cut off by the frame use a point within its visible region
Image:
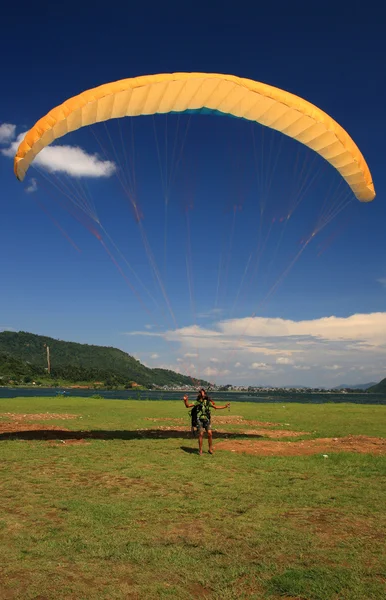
[239, 420]
[198, 591]
[37, 416]
[228, 419]
[357, 443]
[264, 424]
[332, 525]
[164, 419]
[19, 427]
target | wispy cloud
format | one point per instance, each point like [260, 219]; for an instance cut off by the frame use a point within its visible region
[382, 281]
[71, 160]
[7, 133]
[32, 186]
[154, 355]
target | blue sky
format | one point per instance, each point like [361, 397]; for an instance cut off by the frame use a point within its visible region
[244, 300]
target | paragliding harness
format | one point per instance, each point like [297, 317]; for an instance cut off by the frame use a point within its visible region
[200, 411]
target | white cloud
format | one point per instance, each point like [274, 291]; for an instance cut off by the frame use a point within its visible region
[261, 366]
[12, 148]
[362, 327]
[283, 360]
[321, 350]
[211, 371]
[144, 333]
[194, 331]
[191, 355]
[32, 186]
[155, 355]
[268, 351]
[71, 160]
[74, 161]
[382, 281]
[7, 133]
[247, 335]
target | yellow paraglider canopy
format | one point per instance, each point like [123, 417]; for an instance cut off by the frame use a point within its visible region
[226, 94]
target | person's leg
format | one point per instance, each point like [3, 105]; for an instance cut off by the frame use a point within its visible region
[210, 441]
[200, 439]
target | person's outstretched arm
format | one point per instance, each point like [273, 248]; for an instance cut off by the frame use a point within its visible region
[187, 403]
[219, 407]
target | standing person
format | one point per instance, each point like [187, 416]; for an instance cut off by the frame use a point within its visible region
[201, 417]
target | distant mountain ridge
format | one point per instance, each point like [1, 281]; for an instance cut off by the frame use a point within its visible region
[357, 386]
[80, 362]
[379, 388]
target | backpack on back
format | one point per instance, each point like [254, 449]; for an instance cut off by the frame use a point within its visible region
[201, 410]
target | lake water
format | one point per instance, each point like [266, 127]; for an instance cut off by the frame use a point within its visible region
[282, 396]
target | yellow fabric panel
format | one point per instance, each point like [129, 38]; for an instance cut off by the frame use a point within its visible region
[166, 100]
[151, 94]
[137, 100]
[89, 112]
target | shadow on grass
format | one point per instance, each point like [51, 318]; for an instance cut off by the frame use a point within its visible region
[189, 450]
[137, 434]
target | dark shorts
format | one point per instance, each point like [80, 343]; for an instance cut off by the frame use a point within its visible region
[201, 425]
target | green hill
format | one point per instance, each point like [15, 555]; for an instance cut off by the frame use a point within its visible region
[12, 368]
[75, 362]
[379, 388]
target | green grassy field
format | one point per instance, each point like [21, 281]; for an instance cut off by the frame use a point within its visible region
[130, 513]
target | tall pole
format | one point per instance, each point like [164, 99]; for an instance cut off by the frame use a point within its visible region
[48, 360]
